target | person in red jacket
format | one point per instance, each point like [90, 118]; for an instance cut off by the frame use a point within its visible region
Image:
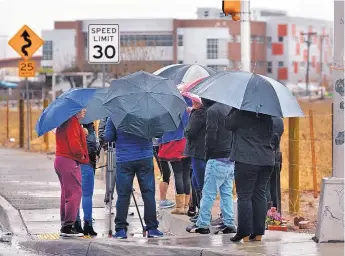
[71, 151]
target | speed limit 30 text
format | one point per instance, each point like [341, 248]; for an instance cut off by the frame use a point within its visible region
[103, 38]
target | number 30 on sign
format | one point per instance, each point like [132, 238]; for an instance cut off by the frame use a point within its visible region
[103, 43]
[26, 69]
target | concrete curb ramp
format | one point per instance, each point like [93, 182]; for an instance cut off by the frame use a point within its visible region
[10, 218]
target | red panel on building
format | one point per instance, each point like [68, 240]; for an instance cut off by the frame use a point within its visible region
[293, 29]
[305, 55]
[282, 30]
[277, 49]
[298, 49]
[295, 67]
[282, 74]
[313, 61]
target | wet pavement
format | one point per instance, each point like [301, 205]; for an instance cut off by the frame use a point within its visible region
[29, 183]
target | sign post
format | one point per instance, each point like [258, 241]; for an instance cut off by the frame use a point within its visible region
[26, 42]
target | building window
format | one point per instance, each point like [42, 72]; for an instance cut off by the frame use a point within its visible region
[260, 39]
[205, 13]
[146, 40]
[212, 49]
[180, 40]
[252, 39]
[269, 67]
[281, 39]
[180, 62]
[281, 63]
[302, 64]
[47, 51]
[221, 15]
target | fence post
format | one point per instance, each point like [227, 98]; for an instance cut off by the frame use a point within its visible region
[293, 165]
[46, 136]
[21, 123]
[7, 118]
[312, 145]
[30, 109]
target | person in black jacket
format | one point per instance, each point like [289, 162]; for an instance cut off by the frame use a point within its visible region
[253, 154]
[273, 192]
[195, 148]
[219, 171]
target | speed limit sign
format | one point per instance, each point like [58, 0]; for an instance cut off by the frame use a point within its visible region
[103, 43]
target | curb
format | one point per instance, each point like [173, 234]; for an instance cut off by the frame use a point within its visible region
[176, 224]
[11, 219]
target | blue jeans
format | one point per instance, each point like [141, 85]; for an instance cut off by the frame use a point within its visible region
[88, 181]
[125, 173]
[198, 166]
[219, 175]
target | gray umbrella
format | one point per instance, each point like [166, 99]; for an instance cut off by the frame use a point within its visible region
[251, 92]
[145, 104]
[95, 110]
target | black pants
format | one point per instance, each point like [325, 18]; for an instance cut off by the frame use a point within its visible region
[251, 182]
[273, 190]
[182, 176]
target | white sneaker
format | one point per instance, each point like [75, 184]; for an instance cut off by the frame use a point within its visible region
[107, 209]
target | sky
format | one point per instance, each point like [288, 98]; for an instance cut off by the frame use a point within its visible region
[41, 14]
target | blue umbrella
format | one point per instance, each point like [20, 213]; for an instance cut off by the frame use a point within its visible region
[250, 92]
[64, 107]
[95, 110]
[145, 104]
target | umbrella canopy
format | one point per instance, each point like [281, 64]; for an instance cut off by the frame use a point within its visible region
[186, 87]
[64, 107]
[251, 92]
[145, 104]
[95, 110]
[184, 73]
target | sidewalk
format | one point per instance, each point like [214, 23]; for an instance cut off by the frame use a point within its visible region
[29, 206]
[30, 193]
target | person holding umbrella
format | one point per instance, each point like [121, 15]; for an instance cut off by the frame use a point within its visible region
[71, 152]
[219, 171]
[254, 156]
[140, 106]
[134, 156]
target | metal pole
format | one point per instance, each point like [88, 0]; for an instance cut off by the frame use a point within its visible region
[103, 75]
[245, 36]
[27, 113]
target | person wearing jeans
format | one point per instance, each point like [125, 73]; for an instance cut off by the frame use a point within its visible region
[195, 148]
[134, 157]
[88, 180]
[71, 151]
[254, 158]
[219, 170]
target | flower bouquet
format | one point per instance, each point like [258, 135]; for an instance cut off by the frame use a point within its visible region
[274, 221]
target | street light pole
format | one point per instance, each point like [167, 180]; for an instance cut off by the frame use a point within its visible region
[245, 36]
[309, 34]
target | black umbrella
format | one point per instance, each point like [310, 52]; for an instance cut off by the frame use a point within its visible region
[145, 104]
[251, 92]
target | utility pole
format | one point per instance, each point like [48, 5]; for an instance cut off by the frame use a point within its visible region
[322, 37]
[245, 36]
[309, 34]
